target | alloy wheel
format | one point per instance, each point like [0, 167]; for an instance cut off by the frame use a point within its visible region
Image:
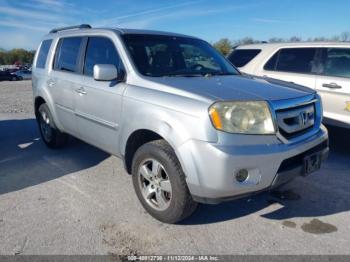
[155, 184]
[45, 126]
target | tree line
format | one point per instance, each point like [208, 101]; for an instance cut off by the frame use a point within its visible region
[225, 45]
[16, 56]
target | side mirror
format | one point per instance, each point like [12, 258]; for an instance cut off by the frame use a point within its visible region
[105, 72]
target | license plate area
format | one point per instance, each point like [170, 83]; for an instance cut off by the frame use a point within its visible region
[312, 163]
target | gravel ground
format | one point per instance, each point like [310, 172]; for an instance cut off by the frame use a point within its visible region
[16, 97]
[79, 200]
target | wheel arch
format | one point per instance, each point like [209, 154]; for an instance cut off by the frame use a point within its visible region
[38, 101]
[135, 140]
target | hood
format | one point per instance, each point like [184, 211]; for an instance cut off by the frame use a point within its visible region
[235, 87]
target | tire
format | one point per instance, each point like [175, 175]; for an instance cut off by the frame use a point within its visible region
[169, 205]
[51, 136]
[14, 78]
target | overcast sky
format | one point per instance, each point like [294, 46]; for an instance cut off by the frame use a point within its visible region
[23, 23]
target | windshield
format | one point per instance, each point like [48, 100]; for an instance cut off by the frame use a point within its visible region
[160, 55]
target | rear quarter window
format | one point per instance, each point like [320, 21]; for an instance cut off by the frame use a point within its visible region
[43, 53]
[241, 57]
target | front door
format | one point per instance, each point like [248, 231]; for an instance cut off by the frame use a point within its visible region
[334, 85]
[98, 103]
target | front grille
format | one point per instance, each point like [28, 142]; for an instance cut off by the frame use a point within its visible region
[295, 121]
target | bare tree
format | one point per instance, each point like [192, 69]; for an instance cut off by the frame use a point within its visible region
[345, 36]
[295, 39]
[246, 41]
[276, 40]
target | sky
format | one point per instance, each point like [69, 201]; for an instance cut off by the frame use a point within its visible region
[23, 23]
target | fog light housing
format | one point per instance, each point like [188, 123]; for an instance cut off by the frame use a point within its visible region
[242, 175]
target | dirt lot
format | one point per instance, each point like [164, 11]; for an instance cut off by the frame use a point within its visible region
[79, 200]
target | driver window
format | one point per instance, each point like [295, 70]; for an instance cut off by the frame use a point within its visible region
[100, 50]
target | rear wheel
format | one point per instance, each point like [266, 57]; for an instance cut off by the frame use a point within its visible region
[51, 136]
[160, 183]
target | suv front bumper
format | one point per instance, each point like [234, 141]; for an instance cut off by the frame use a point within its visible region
[210, 168]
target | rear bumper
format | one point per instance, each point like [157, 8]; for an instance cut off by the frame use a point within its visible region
[211, 168]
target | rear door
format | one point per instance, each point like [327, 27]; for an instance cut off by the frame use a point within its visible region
[333, 84]
[98, 103]
[296, 65]
[64, 79]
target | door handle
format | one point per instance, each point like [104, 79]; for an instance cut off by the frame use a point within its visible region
[81, 91]
[332, 85]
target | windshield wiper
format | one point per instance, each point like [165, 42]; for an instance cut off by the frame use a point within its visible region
[185, 75]
[219, 74]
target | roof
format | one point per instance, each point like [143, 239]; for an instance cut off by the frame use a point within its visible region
[148, 32]
[292, 44]
[120, 31]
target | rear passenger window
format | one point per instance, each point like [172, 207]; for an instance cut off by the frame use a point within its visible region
[67, 54]
[271, 64]
[337, 62]
[294, 60]
[100, 50]
[43, 52]
[241, 57]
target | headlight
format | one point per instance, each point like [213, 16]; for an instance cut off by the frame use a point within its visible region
[242, 117]
[321, 106]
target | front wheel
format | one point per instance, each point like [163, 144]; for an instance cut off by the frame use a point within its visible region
[51, 136]
[160, 184]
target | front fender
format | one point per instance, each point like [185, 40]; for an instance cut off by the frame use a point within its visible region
[173, 126]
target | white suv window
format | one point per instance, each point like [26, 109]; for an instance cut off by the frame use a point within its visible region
[294, 60]
[241, 57]
[336, 62]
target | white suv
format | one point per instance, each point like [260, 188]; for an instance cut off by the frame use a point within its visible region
[321, 66]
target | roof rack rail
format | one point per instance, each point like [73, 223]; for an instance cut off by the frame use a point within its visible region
[82, 26]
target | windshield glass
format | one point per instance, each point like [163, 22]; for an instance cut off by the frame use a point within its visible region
[160, 55]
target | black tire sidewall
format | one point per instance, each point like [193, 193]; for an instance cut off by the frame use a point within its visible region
[58, 138]
[180, 193]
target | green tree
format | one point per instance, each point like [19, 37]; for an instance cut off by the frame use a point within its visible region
[224, 46]
[16, 55]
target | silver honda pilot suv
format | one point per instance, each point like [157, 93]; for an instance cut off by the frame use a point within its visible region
[189, 126]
